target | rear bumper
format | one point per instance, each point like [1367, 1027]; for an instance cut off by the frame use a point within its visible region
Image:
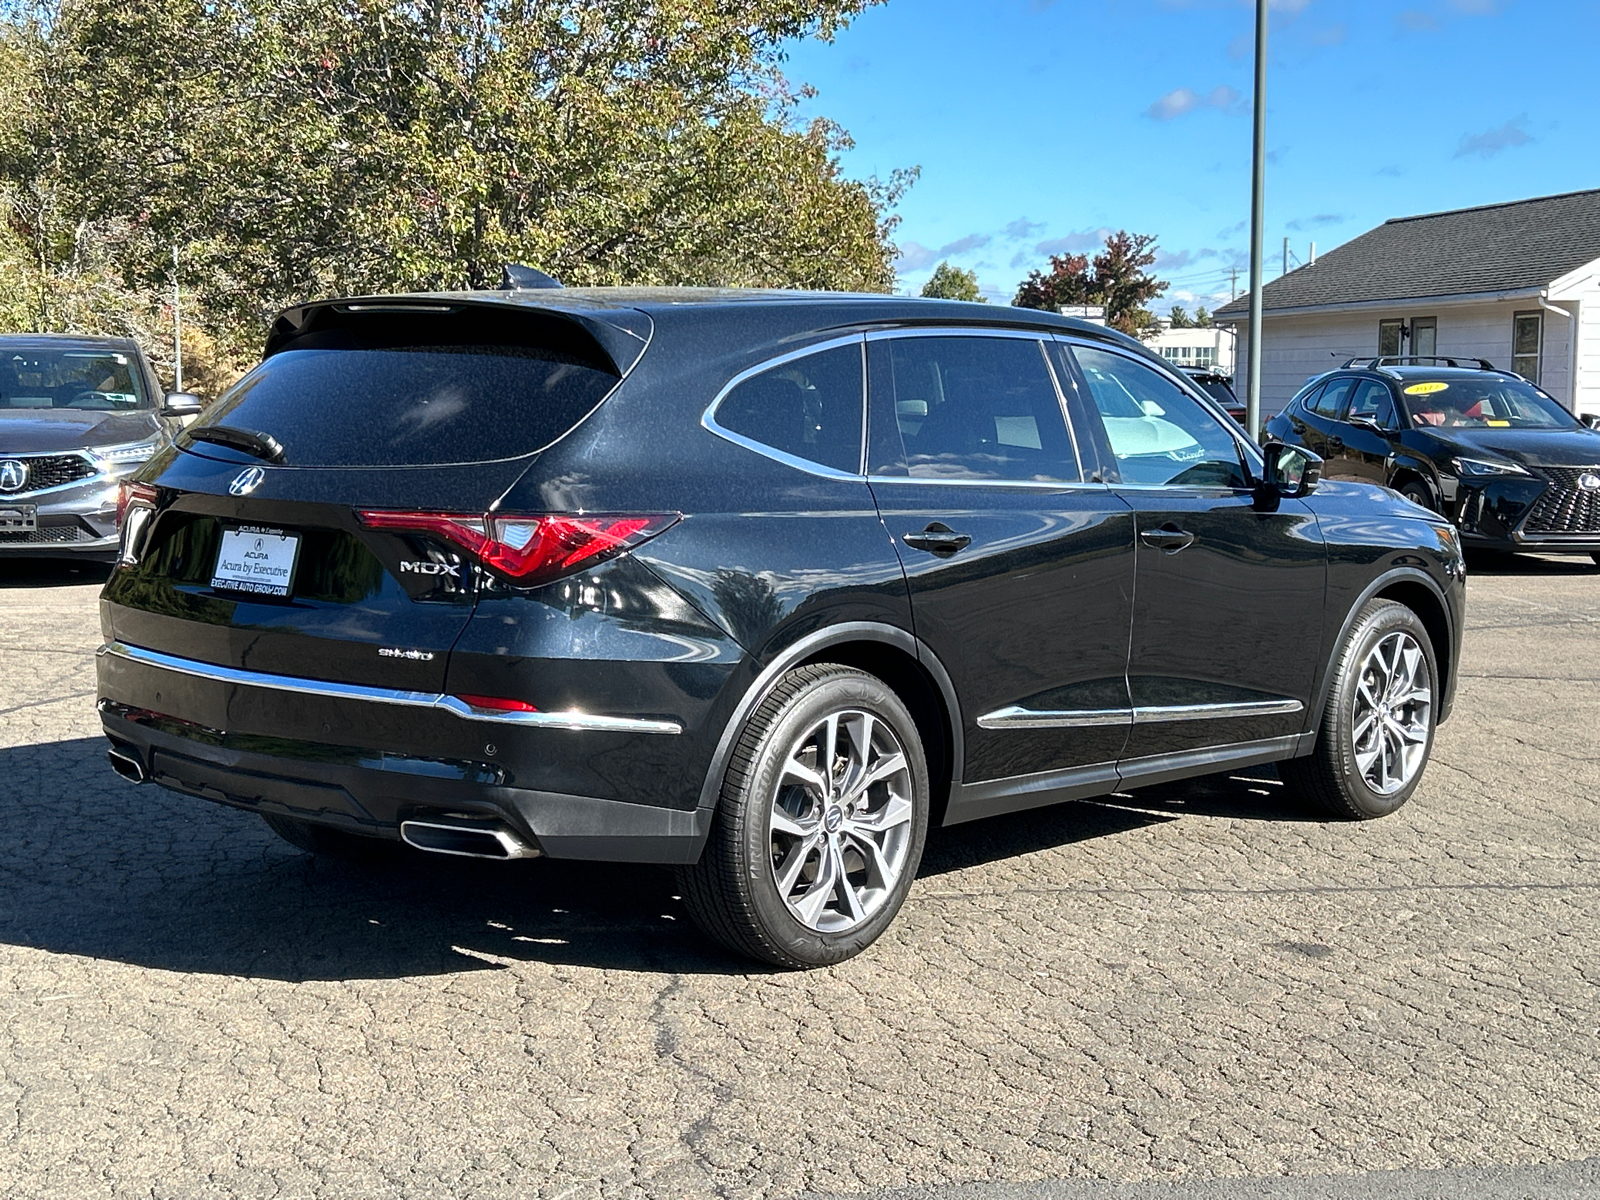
[167, 713]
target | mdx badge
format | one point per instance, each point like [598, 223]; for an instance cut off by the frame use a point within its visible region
[246, 481]
[429, 568]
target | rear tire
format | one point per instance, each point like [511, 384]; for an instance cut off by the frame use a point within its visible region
[1377, 729]
[327, 842]
[821, 823]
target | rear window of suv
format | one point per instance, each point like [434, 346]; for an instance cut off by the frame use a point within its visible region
[348, 401]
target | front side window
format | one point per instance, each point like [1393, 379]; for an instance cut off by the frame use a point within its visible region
[1372, 402]
[1158, 434]
[1527, 337]
[967, 408]
[33, 377]
[808, 408]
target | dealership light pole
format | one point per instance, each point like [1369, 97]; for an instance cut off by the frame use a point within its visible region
[177, 325]
[1258, 182]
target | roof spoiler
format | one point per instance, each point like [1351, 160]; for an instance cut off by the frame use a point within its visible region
[616, 338]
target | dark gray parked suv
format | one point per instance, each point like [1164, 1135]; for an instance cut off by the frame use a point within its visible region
[77, 415]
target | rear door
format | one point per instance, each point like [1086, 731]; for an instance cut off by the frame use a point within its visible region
[1020, 570]
[1319, 417]
[1227, 616]
[258, 554]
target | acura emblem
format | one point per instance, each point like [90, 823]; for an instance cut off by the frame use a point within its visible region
[13, 475]
[1588, 481]
[246, 481]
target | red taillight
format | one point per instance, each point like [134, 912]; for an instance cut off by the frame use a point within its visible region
[531, 550]
[496, 703]
[129, 494]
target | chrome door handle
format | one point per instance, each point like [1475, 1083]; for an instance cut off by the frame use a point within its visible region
[1335, 442]
[1170, 540]
[937, 539]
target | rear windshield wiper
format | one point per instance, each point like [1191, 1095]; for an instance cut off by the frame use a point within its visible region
[261, 445]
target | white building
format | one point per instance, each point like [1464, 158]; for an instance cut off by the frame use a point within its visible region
[1517, 284]
[1209, 347]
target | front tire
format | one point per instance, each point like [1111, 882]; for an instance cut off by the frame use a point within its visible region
[1418, 493]
[1377, 729]
[821, 824]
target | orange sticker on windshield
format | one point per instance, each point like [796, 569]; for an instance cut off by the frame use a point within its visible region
[1425, 389]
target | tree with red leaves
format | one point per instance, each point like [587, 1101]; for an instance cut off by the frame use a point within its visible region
[1116, 279]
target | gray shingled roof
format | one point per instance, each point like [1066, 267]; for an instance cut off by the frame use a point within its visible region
[1495, 248]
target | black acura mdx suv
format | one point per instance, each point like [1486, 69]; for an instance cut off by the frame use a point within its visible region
[757, 584]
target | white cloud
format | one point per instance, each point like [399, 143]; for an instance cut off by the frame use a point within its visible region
[1492, 141]
[1182, 101]
[914, 256]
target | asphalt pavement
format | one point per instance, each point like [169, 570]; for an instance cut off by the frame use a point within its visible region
[1186, 992]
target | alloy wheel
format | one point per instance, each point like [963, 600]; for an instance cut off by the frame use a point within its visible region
[1392, 712]
[840, 821]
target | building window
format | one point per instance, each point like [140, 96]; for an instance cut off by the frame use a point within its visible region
[1389, 336]
[1424, 337]
[1190, 356]
[1527, 340]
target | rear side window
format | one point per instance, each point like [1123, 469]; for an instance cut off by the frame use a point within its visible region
[1332, 398]
[808, 408]
[976, 408]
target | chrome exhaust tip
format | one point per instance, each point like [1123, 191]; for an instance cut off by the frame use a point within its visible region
[466, 841]
[126, 764]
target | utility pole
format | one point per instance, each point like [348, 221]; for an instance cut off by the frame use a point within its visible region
[177, 326]
[1233, 282]
[1258, 195]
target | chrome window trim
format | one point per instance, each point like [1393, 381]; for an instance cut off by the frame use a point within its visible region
[100, 472]
[1016, 717]
[1035, 335]
[377, 695]
[1020, 484]
[708, 419]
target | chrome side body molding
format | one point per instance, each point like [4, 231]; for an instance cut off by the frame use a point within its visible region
[1016, 717]
[375, 695]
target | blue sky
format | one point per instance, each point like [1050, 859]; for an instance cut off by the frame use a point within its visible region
[1041, 124]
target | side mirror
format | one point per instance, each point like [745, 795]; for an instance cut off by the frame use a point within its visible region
[1592, 420]
[1291, 471]
[182, 404]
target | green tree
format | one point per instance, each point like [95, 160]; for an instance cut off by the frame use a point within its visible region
[952, 283]
[300, 148]
[1180, 318]
[1202, 318]
[1116, 278]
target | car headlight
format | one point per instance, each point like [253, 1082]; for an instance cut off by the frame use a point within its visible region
[1481, 468]
[128, 452]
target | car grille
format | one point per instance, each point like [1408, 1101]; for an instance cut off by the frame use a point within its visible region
[49, 535]
[53, 470]
[1564, 507]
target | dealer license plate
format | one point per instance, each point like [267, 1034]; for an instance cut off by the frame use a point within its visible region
[259, 561]
[18, 518]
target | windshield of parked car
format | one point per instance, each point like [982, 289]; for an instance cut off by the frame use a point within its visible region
[53, 377]
[1490, 402]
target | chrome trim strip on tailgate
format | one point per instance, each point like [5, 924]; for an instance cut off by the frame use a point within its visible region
[376, 695]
